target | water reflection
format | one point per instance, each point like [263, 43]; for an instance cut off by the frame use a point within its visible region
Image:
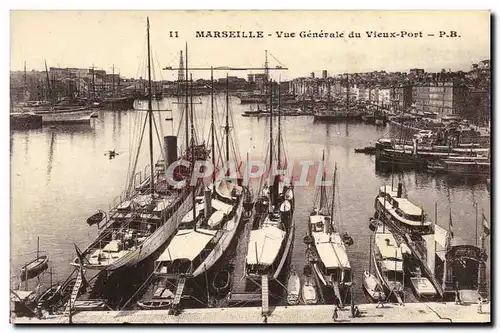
[51, 156]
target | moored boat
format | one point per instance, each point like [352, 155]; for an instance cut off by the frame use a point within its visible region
[272, 235]
[96, 218]
[148, 211]
[308, 294]
[332, 264]
[372, 286]
[34, 268]
[388, 262]
[422, 287]
[162, 299]
[293, 289]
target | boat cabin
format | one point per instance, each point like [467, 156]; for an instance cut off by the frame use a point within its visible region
[401, 211]
[388, 257]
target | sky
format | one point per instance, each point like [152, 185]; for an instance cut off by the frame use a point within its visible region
[107, 38]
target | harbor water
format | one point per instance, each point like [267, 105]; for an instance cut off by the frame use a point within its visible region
[60, 175]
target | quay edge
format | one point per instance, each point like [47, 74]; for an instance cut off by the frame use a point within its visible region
[302, 314]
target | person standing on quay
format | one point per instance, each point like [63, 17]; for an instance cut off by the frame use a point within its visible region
[480, 305]
[380, 300]
[335, 315]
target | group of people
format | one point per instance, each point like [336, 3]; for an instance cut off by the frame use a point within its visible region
[354, 312]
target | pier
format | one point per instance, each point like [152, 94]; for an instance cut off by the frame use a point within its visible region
[306, 314]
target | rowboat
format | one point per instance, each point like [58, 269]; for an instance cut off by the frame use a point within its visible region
[309, 295]
[293, 289]
[96, 218]
[423, 287]
[372, 286]
[162, 298]
[34, 268]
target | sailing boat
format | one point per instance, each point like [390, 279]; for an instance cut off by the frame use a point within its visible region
[388, 262]
[147, 214]
[332, 267]
[65, 111]
[271, 240]
[206, 232]
[370, 282]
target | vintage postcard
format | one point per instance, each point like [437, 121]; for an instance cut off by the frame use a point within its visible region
[266, 167]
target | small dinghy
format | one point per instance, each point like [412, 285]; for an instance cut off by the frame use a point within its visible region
[293, 289]
[221, 281]
[373, 286]
[348, 241]
[96, 218]
[34, 268]
[423, 287]
[161, 299]
[50, 296]
[309, 295]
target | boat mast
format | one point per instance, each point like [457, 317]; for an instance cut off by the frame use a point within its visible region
[347, 92]
[226, 128]
[333, 192]
[279, 126]
[24, 84]
[93, 70]
[51, 98]
[370, 253]
[271, 201]
[212, 125]
[187, 102]
[113, 83]
[150, 114]
[322, 188]
[192, 146]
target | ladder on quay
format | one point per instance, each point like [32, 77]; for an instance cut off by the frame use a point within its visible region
[265, 295]
[179, 290]
[74, 292]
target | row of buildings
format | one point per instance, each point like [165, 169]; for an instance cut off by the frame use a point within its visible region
[446, 93]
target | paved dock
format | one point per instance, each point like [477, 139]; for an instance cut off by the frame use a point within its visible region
[307, 314]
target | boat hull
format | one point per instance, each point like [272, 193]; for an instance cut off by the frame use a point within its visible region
[34, 268]
[151, 244]
[73, 116]
[225, 241]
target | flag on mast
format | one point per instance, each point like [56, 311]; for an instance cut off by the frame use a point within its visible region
[450, 228]
[486, 225]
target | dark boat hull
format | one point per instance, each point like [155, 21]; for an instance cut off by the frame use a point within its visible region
[34, 268]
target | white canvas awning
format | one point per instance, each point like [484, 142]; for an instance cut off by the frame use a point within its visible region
[189, 215]
[216, 218]
[264, 245]
[333, 255]
[186, 244]
[386, 243]
[221, 206]
[392, 265]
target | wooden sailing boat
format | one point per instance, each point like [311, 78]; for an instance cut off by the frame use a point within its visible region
[271, 240]
[206, 232]
[332, 267]
[148, 211]
[370, 282]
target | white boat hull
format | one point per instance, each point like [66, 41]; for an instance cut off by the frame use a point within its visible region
[151, 244]
[76, 116]
[225, 241]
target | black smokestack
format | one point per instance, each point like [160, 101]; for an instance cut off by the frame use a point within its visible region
[170, 149]
[400, 190]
